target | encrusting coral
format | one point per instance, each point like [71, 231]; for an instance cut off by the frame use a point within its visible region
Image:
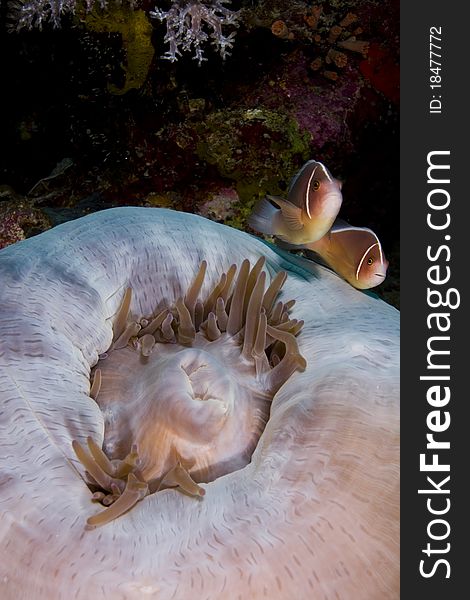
[18, 217]
[136, 34]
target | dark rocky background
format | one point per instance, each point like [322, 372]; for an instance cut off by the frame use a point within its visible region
[93, 117]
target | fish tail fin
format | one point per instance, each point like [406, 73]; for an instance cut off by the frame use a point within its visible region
[262, 217]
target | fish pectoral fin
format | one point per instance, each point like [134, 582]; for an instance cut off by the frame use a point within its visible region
[291, 214]
[261, 219]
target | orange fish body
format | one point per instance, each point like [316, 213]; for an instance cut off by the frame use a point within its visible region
[313, 202]
[355, 253]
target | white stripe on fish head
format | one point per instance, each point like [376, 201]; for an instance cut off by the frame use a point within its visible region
[325, 170]
[380, 249]
[307, 192]
[364, 256]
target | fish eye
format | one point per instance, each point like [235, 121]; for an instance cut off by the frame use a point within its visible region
[370, 260]
[315, 185]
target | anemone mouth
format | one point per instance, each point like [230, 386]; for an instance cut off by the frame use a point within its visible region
[186, 392]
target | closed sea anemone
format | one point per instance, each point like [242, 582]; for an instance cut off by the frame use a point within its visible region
[174, 425]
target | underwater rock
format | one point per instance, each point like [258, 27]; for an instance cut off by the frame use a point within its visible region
[255, 147]
[383, 71]
[18, 220]
[221, 206]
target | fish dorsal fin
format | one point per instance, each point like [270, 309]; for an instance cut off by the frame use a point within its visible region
[354, 238]
[291, 214]
[340, 225]
[356, 242]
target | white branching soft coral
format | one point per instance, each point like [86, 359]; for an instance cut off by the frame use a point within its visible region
[190, 24]
[34, 13]
[29, 14]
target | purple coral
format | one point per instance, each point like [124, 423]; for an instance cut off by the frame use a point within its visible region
[190, 23]
[18, 220]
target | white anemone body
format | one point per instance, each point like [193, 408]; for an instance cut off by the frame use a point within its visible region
[314, 514]
[203, 401]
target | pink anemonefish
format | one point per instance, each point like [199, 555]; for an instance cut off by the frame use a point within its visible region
[313, 202]
[355, 253]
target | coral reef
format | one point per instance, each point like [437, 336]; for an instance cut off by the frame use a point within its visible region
[383, 71]
[319, 110]
[325, 30]
[19, 220]
[190, 24]
[220, 206]
[322, 83]
[230, 140]
[36, 13]
[136, 33]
